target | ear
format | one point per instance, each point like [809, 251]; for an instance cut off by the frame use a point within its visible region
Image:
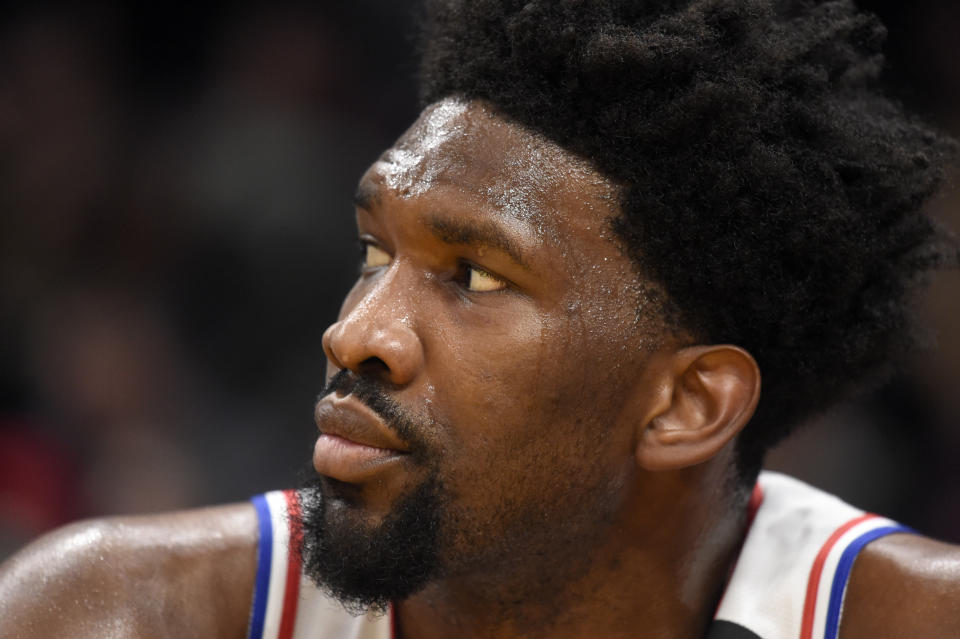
[706, 394]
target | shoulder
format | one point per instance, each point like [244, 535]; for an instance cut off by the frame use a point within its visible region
[904, 586]
[185, 574]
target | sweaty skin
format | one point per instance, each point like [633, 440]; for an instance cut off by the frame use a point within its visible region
[588, 448]
[178, 576]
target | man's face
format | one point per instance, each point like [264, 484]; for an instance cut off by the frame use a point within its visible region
[495, 343]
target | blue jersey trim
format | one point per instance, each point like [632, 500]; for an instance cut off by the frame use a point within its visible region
[264, 555]
[842, 575]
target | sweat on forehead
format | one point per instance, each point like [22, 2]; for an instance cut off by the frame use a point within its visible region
[458, 142]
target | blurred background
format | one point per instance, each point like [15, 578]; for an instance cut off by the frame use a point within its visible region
[176, 232]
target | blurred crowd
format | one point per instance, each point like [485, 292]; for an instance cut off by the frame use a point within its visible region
[176, 232]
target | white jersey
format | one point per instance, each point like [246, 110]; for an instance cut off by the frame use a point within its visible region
[788, 583]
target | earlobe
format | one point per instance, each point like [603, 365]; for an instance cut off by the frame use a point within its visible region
[706, 395]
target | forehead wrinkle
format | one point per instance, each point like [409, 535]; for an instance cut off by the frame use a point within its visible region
[474, 233]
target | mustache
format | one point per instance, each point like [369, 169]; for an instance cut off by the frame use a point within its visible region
[373, 394]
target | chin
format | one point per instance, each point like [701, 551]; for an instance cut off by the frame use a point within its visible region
[367, 562]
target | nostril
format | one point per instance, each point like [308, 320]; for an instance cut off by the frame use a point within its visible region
[374, 367]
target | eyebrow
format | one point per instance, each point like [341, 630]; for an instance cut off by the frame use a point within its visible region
[474, 234]
[366, 197]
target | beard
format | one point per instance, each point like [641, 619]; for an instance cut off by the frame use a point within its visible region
[362, 565]
[366, 567]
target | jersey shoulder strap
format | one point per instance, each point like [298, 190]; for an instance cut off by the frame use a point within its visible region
[788, 583]
[287, 605]
[791, 576]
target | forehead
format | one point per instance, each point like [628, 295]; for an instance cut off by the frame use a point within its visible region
[462, 149]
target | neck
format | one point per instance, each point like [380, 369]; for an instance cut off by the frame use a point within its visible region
[661, 570]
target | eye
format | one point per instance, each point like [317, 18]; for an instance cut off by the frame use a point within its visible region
[373, 256]
[477, 280]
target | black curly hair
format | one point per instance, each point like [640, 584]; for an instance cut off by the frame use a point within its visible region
[767, 185]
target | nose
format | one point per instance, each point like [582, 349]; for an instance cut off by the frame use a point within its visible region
[376, 338]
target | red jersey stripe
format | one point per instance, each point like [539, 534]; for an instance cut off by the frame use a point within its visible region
[813, 583]
[292, 591]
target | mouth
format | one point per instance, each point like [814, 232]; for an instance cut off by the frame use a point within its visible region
[355, 444]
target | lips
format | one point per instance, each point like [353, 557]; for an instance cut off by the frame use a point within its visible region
[355, 444]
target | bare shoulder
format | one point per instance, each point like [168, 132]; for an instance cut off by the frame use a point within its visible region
[904, 586]
[184, 574]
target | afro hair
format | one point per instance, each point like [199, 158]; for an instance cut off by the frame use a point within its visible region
[766, 183]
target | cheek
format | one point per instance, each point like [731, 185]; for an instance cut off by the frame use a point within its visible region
[519, 391]
[495, 369]
[534, 437]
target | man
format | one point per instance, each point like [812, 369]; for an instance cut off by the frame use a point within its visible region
[544, 414]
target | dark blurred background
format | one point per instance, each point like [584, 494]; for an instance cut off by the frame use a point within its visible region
[176, 233]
